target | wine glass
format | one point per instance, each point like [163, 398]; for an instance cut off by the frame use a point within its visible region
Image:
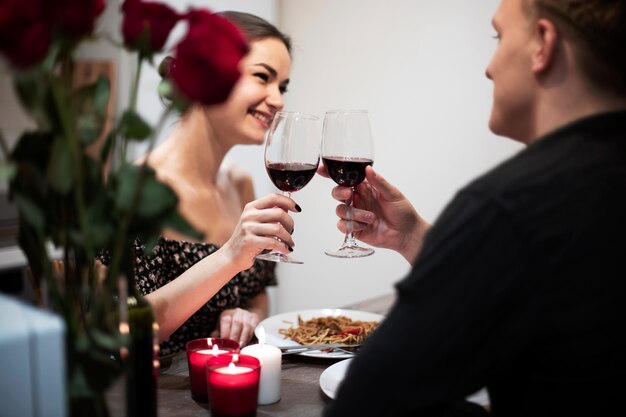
[292, 153]
[347, 148]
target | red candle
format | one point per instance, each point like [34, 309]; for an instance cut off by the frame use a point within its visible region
[198, 351]
[233, 382]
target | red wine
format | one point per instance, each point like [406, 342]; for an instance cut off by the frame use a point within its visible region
[290, 176]
[346, 171]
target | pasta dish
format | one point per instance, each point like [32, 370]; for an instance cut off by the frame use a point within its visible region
[330, 330]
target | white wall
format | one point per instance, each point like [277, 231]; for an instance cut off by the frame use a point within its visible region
[418, 67]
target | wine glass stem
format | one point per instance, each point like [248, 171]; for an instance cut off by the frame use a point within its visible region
[349, 240]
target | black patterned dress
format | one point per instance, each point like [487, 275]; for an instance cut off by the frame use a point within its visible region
[170, 258]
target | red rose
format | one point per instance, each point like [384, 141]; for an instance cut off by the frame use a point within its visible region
[207, 59]
[74, 19]
[155, 18]
[25, 35]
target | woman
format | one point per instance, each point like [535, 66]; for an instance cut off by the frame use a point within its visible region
[216, 287]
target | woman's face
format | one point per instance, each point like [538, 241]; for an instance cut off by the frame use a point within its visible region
[256, 97]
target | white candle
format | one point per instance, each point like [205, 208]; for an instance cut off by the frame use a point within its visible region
[270, 358]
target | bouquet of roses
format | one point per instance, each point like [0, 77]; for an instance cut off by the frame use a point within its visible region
[69, 199]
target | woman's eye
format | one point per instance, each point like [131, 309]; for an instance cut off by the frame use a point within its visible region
[262, 76]
[496, 37]
[282, 89]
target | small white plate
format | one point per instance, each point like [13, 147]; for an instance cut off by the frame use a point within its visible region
[273, 324]
[332, 377]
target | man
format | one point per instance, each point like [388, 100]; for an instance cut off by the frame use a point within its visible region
[520, 285]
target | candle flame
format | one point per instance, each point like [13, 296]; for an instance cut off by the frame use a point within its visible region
[215, 349]
[124, 328]
[231, 367]
[209, 342]
[234, 359]
[261, 336]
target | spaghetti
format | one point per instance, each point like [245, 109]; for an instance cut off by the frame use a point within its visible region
[329, 330]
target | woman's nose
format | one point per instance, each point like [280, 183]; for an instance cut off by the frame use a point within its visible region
[275, 98]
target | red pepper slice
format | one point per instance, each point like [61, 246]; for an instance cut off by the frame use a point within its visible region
[355, 330]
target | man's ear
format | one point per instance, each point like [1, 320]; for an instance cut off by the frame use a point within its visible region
[546, 36]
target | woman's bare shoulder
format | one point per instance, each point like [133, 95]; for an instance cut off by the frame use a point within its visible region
[240, 178]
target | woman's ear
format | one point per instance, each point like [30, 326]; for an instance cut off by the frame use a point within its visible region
[546, 36]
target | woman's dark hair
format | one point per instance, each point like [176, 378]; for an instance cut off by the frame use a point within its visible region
[256, 28]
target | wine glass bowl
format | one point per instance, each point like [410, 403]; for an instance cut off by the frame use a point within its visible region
[347, 149]
[291, 158]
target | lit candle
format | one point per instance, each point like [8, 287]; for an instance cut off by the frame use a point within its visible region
[270, 358]
[233, 382]
[198, 351]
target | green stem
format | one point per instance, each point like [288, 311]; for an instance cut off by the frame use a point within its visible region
[78, 154]
[4, 146]
[134, 92]
[118, 247]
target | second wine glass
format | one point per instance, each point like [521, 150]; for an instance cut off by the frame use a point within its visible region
[291, 158]
[347, 149]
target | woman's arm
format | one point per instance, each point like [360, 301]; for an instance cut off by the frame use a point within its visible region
[261, 222]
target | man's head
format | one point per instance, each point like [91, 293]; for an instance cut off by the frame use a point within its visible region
[553, 57]
[597, 32]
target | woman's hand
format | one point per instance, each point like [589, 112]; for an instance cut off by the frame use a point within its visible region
[264, 224]
[237, 324]
[381, 215]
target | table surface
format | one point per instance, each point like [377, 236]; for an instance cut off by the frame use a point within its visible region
[301, 395]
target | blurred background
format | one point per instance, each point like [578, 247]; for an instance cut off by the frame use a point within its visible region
[417, 66]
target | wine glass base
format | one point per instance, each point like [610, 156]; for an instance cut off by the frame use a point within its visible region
[278, 257]
[351, 251]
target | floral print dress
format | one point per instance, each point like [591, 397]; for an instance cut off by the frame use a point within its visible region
[169, 259]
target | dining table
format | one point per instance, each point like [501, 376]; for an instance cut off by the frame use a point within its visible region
[300, 394]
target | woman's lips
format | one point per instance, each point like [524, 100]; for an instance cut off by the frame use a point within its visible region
[264, 118]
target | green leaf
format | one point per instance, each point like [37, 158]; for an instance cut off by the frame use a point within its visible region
[33, 247]
[102, 94]
[78, 386]
[89, 127]
[33, 148]
[101, 230]
[156, 198]
[30, 89]
[107, 147]
[90, 104]
[126, 181]
[150, 242]
[60, 174]
[31, 213]
[177, 222]
[7, 171]
[105, 341]
[133, 127]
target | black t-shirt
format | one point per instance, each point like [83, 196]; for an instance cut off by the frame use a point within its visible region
[520, 287]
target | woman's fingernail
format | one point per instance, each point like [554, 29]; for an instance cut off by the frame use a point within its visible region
[298, 208]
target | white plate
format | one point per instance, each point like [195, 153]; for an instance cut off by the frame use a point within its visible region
[332, 377]
[273, 324]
